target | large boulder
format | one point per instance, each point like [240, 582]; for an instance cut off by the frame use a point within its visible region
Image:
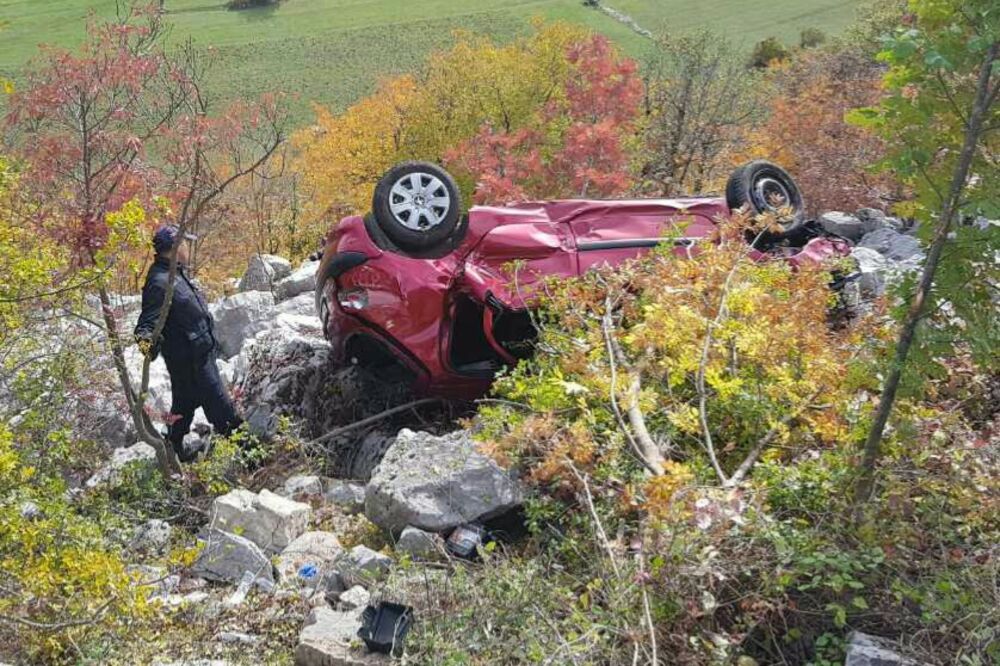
[240, 317]
[283, 373]
[330, 638]
[892, 244]
[843, 224]
[263, 272]
[303, 304]
[227, 557]
[319, 549]
[436, 483]
[867, 650]
[269, 520]
[299, 282]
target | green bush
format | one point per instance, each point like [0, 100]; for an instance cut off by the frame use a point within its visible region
[768, 51]
[811, 38]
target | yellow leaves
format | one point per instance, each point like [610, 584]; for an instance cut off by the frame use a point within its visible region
[7, 86]
[661, 491]
[421, 117]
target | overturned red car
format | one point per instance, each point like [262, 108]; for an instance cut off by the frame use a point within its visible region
[418, 292]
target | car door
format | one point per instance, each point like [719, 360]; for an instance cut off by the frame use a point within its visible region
[623, 230]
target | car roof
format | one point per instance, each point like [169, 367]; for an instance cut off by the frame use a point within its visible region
[565, 210]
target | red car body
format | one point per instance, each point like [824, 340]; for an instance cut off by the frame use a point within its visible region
[450, 320]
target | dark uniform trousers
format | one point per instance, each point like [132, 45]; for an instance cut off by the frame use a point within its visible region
[196, 383]
[188, 345]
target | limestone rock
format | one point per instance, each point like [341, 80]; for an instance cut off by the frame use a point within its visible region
[436, 483]
[355, 598]
[269, 520]
[872, 267]
[303, 304]
[843, 224]
[892, 244]
[319, 549]
[867, 650]
[419, 544]
[152, 536]
[239, 317]
[302, 484]
[330, 638]
[263, 272]
[301, 281]
[139, 454]
[226, 557]
[347, 495]
[363, 565]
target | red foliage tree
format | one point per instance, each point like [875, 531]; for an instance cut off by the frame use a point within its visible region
[120, 120]
[553, 157]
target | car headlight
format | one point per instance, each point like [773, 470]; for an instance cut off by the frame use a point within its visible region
[353, 299]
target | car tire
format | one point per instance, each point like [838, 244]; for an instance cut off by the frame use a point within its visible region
[417, 205]
[763, 187]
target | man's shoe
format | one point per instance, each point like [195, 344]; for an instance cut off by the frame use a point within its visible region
[188, 451]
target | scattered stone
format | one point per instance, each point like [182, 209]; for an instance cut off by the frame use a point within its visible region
[867, 650]
[29, 510]
[152, 536]
[193, 662]
[263, 272]
[240, 317]
[892, 244]
[363, 565]
[436, 483]
[226, 557]
[161, 582]
[301, 281]
[236, 638]
[302, 484]
[355, 598]
[242, 590]
[328, 639]
[347, 495]
[140, 454]
[269, 520]
[419, 544]
[872, 267]
[843, 224]
[318, 549]
[189, 599]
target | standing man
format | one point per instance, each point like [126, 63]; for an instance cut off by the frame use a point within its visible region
[187, 343]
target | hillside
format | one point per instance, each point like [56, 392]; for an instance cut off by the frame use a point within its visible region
[332, 51]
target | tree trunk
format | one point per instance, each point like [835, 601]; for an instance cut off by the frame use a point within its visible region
[873, 444]
[147, 433]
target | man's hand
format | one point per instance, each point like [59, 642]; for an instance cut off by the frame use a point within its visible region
[145, 345]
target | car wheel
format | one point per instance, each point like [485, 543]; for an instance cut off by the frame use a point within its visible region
[417, 205]
[764, 187]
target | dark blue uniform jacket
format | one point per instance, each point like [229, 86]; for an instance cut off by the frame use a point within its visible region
[188, 333]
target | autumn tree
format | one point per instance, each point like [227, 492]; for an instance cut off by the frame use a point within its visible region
[424, 114]
[112, 137]
[576, 145]
[699, 100]
[805, 130]
[941, 117]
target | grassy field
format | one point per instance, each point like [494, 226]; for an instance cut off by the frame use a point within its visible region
[332, 51]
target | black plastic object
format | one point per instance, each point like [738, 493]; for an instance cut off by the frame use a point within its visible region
[384, 627]
[465, 539]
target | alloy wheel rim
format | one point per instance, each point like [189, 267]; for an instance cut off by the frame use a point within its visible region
[419, 201]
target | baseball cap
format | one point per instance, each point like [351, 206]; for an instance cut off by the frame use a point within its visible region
[166, 237]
